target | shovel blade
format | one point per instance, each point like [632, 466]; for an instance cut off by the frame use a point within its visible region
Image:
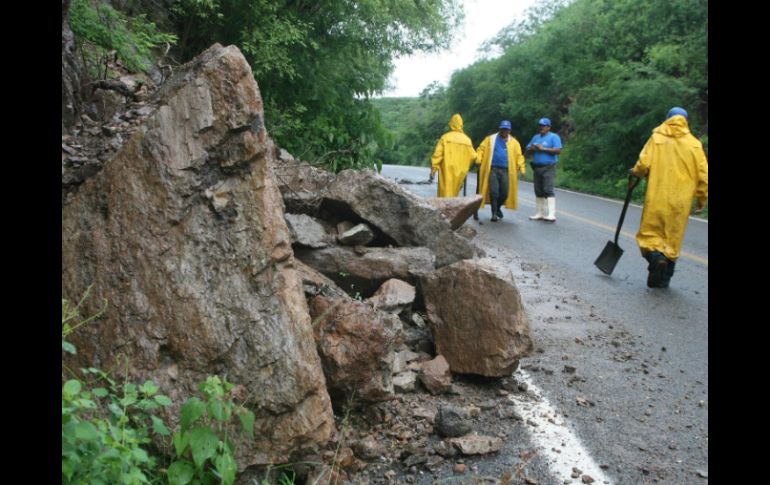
[609, 258]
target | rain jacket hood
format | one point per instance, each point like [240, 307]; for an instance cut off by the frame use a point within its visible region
[456, 123]
[675, 127]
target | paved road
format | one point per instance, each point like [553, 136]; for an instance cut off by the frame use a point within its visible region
[642, 354]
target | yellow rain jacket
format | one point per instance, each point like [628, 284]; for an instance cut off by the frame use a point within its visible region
[676, 169]
[515, 165]
[452, 158]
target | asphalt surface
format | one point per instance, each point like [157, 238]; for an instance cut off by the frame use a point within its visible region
[635, 391]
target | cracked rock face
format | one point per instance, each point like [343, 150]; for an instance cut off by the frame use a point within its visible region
[182, 232]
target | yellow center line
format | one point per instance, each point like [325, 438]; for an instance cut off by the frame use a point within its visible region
[611, 230]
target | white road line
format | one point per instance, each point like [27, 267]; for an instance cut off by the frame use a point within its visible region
[552, 433]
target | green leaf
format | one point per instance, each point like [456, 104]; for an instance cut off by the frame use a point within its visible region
[159, 427]
[86, 403]
[225, 465]
[180, 440]
[247, 421]
[68, 347]
[217, 409]
[86, 431]
[140, 455]
[163, 400]
[115, 409]
[204, 444]
[191, 411]
[180, 472]
[129, 389]
[149, 388]
[100, 392]
[71, 387]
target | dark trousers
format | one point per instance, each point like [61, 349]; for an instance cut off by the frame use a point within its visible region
[544, 177]
[498, 187]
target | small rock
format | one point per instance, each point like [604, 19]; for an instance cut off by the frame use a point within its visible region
[405, 381]
[581, 401]
[452, 421]
[702, 474]
[418, 320]
[587, 479]
[474, 411]
[476, 444]
[459, 468]
[442, 448]
[569, 369]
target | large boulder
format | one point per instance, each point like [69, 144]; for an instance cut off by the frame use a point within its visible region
[406, 218]
[183, 234]
[478, 322]
[457, 210]
[356, 344]
[362, 270]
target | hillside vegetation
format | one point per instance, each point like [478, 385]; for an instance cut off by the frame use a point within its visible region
[605, 73]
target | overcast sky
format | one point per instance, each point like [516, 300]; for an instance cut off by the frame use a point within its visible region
[483, 20]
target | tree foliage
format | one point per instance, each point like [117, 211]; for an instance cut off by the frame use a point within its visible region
[604, 71]
[101, 30]
[318, 63]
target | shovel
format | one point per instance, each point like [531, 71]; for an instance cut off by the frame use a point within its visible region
[612, 252]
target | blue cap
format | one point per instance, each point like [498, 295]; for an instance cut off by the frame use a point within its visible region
[544, 121]
[505, 124]
[676, 111]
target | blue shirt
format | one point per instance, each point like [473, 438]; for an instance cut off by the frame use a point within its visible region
[550, 140]
[500, 155]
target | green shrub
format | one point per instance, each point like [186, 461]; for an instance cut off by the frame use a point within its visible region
[106, 426]
[204, 450]
[100, 29]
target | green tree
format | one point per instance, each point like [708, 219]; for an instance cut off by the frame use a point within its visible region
[318, 63]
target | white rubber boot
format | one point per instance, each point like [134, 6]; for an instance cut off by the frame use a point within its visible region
[540, 204]
[551, 217]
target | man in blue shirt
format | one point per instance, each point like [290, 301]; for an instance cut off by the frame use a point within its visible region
[547, 147]
[500, 159]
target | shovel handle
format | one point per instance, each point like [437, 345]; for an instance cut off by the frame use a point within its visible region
[633, 181]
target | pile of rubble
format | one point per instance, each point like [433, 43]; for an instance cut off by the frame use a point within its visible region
[403, 304]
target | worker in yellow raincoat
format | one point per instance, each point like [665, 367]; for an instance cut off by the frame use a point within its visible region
[677, 170]
[501, 159]
[452, 158]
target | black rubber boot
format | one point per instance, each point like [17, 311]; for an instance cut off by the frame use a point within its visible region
[493, 205]
[668, 274]
[658, 269]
